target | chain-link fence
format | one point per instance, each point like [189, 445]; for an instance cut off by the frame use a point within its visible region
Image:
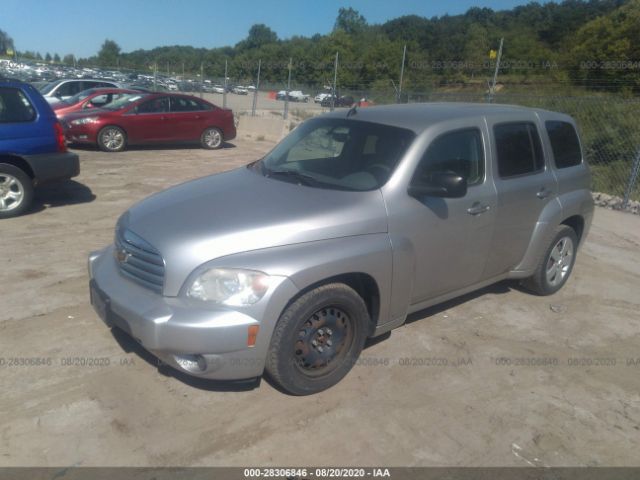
[609, 124]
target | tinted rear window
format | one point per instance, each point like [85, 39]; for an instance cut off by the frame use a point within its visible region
[564, 143]
[15, 106]
[518, 148]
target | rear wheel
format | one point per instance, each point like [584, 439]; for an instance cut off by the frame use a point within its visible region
[556, 264]
[112, 139]
[317, 339]
[16, 191]
[211, 138]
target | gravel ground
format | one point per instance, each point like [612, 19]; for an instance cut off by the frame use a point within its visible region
[498, 377]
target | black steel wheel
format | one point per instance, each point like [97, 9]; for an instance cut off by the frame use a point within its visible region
[317, 339]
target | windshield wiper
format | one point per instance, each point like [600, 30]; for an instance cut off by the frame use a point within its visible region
[302, 178]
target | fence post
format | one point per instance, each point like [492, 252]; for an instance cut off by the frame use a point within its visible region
[404, 54]
[224, 94]
[255, 92]
[286, 97]
[201, 79]
[633, 178]
[492, 90]
[335, 79]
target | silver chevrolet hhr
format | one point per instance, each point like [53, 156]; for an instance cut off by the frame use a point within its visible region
[353, 221]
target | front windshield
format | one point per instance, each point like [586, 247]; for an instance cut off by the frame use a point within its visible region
[124, 101]
[338, 153]
[78, 97]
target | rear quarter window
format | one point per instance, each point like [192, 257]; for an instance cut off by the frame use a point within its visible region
[564, 144]
[15, 107]
[518, 148]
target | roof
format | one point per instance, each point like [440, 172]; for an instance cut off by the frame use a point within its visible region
[419, 116]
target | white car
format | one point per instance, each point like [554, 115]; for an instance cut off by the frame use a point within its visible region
[217, 89]
[298, 96]
[240, 90]
[320, 97]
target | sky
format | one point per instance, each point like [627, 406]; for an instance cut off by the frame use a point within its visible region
[80, 27]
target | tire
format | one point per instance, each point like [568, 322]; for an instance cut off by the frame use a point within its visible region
[556, 263]
[333, 316]
[16, 191]
[211, 138]
[112, 139]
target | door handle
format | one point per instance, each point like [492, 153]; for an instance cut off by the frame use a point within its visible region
[477, 208]
[543, 193]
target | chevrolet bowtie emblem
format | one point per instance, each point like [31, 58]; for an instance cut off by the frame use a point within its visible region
[122, 255]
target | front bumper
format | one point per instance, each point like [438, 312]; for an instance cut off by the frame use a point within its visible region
[203, 341]
[80, 134]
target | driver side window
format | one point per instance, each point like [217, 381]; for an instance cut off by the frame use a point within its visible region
[459, 152]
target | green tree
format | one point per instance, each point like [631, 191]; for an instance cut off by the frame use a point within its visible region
[56, 58]
[259, 35]
[350, 21]
[47, 57]
[68, 59]
[108, 54]
[6, 42]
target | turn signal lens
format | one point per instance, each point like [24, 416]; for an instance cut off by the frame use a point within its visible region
[252, 335]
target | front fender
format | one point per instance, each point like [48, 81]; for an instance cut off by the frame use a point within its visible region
[306, 264]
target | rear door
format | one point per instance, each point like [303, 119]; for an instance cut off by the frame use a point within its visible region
[187, 118]
[525, 185]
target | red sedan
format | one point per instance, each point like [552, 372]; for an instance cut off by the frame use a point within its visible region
[141, 118]
[88, 99]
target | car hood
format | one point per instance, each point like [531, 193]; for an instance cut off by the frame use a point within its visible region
[240, 211]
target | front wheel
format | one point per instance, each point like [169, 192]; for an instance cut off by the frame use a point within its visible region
[16, 191]
[112, 139]
[317, 339]
[211, 138]
[556, 264]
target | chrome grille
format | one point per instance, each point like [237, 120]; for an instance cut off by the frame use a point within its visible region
[138, 260]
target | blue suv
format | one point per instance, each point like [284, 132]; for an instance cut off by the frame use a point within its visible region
[32, 147]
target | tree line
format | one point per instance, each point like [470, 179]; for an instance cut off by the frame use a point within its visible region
[595, 43]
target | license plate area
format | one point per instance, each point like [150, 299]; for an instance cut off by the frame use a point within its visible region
[100, 304]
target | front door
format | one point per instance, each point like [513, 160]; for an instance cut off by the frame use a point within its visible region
[450, 237]
[148, 122]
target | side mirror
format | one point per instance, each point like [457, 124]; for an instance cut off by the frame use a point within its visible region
[440, 184]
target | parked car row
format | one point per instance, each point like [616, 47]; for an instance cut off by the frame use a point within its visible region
[34, 133]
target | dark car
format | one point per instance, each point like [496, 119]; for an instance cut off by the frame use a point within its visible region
[32, 147]
[344, 101]
[143, 118]
[89, 100]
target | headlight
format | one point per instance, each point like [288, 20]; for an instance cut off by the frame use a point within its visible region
[229, 286]
[84, 121]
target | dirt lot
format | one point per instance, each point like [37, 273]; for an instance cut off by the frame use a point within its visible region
[499, 377]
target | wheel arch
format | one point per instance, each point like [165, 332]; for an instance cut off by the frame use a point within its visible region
[577, 223]
[18, 162]
[362, 283]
